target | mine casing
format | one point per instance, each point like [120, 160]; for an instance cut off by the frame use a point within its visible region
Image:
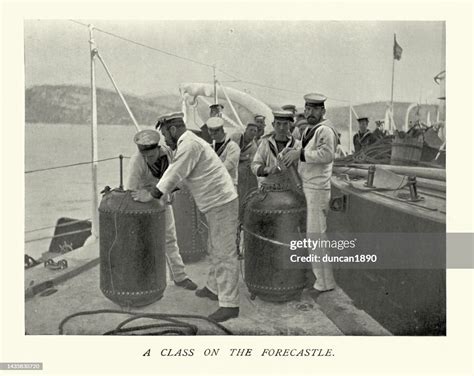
[132, 249]
[274, 216]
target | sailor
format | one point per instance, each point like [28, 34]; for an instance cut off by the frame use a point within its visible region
[248, 148]
[316, 157]
[259, 120]
[146, 168]
[379, 132]
[266, 164]
[227, 150]
[197, 166]
[291, 108]
[300, 125]
[364, 137]
[215, 110]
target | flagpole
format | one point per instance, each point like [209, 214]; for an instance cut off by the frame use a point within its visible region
[393, 73]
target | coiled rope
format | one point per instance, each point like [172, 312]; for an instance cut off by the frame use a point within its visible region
[173, 326]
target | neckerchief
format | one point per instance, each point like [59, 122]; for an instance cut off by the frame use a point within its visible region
[242, 146]
[309, 134]
[363, 136]
[274, 150]
[222, 148]
[159, 167]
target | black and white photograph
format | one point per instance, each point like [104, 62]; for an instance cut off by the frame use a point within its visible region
[194, 177]
[237, 188]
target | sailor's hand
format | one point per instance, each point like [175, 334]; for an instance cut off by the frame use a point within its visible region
[290, 157]
[142, 195]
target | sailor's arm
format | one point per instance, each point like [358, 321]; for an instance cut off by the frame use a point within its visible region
[258, 163]
[135, 172]
[183, 164]
[323, 151]
[232, 157]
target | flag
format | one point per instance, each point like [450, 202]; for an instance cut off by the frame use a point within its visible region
[397, 50]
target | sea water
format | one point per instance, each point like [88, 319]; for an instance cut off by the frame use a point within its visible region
[67, 192]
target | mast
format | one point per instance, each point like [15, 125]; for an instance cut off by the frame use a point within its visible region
[215, 83]
[349, 146]
[393, 79]
[94, 143]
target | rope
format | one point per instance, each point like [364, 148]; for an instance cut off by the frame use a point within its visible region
[58, 236]
[156, 316]
[276, 242]
[61, 225]
[109, 252]
[237, 79]
[73, 164]
[145, 45]
[378, 153]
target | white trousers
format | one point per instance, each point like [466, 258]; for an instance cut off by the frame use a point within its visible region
[317, 201]
[173, 257]
[223, 277]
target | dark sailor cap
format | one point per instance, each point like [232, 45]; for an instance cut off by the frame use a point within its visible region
[250, 124]
[314, 100]
[363, 118]
[216, 106]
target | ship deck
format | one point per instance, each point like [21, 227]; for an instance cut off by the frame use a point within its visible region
[53, 295]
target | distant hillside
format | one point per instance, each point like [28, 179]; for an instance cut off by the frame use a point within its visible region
[72, 104]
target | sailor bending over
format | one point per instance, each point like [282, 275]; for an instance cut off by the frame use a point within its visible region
[147, 166]
[197, 166]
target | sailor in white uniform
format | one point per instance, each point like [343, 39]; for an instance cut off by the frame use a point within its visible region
[316, 156]
[196, 165]
[146, 168]
[227, 149]
[266, 164]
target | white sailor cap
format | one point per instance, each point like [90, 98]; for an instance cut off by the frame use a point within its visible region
[315, 100]
[215, 122]
[283, 115]
[147, 139]
[289, 107]
[169, 118]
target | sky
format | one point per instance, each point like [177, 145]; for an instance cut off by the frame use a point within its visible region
[345, 60]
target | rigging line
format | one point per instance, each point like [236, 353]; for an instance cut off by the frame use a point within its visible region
[196, 62]
[237, 80]
[58, 236]
[72, 165]
[182, 57]
[145, 45]
[61, 225]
